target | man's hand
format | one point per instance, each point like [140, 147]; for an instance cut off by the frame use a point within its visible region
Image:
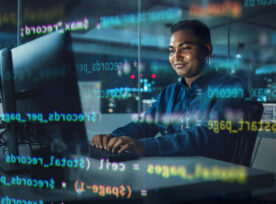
[123, 143]
[101, 141]
[120, 144]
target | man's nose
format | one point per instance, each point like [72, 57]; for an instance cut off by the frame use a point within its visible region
[178, 55]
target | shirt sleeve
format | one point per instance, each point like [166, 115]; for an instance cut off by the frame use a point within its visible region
[200, 140]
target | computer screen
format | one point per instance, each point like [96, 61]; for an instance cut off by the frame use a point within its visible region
[47, 94]
[8, 99]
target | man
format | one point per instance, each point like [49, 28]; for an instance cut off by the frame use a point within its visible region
[182, 110]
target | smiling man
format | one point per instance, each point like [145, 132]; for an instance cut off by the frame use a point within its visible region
[188, 54]
[190, 51]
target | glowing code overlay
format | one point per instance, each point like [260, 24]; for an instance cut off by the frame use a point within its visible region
[121, 191]
[7, 200]
[220, 125]
[144, 17]
[111, 93]
[33, 15]
[60, 27]
[55, 162]
[227, 8]
[28, 182]
[52, 117]
[100, 66]
[105, 164]
[251, 3]
[239, 93]
[232, 174]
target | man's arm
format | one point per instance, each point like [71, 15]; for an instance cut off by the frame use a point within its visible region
[151, 122]
[137, 130]
[201, 140]
[126, 137]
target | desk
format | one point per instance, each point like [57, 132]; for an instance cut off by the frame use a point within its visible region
[134, 176]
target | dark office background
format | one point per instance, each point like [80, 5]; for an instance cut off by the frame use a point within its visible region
[243, 35]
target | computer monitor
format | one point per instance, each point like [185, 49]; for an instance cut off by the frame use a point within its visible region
[46, 91]
[8, 99]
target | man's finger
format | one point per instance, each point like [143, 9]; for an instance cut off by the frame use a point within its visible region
[105, 140]
[99, 142]
[123, 148]
[93, 140]
[116, 146]
[111, 142]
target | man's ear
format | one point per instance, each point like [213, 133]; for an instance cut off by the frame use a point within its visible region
[208, 50]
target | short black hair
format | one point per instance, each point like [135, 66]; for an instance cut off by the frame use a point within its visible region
[200, 30]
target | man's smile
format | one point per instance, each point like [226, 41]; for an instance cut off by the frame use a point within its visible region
[180, 65]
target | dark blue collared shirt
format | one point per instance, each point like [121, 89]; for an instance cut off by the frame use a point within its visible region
[181, 115]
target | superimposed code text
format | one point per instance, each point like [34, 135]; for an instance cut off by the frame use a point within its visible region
[38, 161]
[99, 66]
[221, 125]
[232, 174]
[7, 200]
[252, 3]
[28, 182]
[52, 117]
[239, 93]
[122, 191]
[58, 27]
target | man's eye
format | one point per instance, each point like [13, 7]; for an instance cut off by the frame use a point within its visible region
[171, 51]
[186, 48]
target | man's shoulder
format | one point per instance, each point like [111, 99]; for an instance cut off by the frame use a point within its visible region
[226, 87]
[221, 80]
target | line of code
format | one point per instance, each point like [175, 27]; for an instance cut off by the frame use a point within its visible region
[109, 93]
[252, 3]
[58, 27]
[52, 117]
[232, 174]
[28, 182]
[227, 8]
[33, 15]
[7, 200]
[153, 16]
[99, 66]
[54, 162]
[121, 191]
[220, 125]
[239, 93]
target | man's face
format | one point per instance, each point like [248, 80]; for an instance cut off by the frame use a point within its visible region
[187, 57]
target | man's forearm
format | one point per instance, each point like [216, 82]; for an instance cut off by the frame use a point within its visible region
[199, 141]
[136, 130]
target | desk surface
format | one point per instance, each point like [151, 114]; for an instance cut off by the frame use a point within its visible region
[146, 178]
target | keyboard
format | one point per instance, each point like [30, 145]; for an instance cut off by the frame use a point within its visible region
[112, 156]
